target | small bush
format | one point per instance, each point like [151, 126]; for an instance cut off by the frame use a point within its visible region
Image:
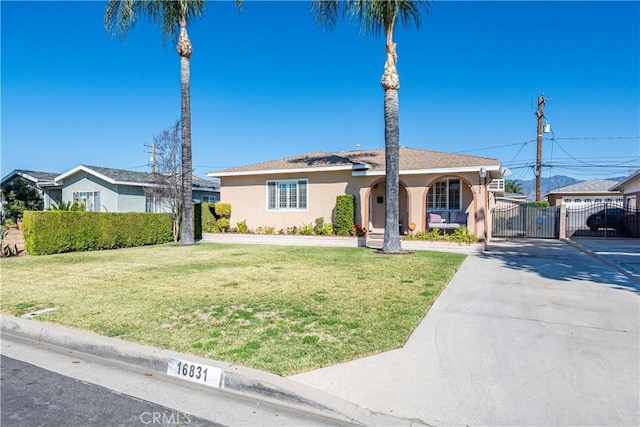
[322, 228]
[223, 224]
[306, 229]
[540, 204]
[242, 226]
[462, 235]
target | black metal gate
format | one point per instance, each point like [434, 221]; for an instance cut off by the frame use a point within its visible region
[602, 220]
[526, 221]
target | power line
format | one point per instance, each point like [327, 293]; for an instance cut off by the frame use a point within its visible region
[601, 137]
[495, 146]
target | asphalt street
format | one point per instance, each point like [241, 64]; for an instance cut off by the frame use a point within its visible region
[49, 386]
[32, 396]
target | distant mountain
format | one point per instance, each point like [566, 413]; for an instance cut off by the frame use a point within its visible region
[552, 183]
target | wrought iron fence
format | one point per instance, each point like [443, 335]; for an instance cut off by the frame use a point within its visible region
[526, 221]
[602, 220]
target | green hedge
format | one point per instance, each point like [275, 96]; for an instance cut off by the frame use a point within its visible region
[216, 217]
[345, 214]
[51, 232]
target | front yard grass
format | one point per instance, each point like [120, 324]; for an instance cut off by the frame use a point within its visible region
[280, 309]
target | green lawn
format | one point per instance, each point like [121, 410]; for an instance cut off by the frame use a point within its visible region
[280, 309]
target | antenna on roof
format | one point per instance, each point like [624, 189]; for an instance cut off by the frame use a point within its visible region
[357, 147]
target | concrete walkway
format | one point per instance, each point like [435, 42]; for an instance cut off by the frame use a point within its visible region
[532, 332]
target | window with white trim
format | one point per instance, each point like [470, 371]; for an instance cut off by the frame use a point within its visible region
[153, 204]
[90, 200]
[445, 194]
[287, 195]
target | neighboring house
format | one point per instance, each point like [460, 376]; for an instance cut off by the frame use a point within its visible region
[297, 190]
[630, 189]
[510, 199]
[110, 190]
[584, 193]
[37, 180]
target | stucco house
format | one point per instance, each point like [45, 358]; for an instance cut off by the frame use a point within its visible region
[107, 189]
[630, 189]
[296, 190]
[584, 193]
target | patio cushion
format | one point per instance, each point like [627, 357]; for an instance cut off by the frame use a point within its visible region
[435, 218]
[461, 217]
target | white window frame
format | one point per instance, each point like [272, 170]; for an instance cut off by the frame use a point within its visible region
[431, 202]
[283, 188]
[90, 199]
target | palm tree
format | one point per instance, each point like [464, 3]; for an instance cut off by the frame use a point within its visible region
[173, 17]
[376, 17]
[513, 187]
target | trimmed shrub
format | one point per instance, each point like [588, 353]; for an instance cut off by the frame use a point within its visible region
[213, 214]
[222, 210]
[51, 232]
[345, 214]
[208, 220]
[197, 220]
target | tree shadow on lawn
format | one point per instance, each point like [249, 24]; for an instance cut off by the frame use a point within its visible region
[557, 260]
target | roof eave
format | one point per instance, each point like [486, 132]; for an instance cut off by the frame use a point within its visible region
[618, 186]
[278, 171]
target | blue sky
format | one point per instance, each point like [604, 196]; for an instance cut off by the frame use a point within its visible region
[269, 83]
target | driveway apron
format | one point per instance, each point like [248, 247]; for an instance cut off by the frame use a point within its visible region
[530, 332]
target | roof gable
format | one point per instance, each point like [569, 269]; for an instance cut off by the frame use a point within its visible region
[33, 176]
[619, 185]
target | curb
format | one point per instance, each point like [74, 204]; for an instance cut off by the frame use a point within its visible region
[602, 259]
[240, 380]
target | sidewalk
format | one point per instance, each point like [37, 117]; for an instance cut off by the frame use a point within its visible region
[529, 332]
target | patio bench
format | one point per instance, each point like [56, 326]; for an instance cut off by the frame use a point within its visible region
[448, 220]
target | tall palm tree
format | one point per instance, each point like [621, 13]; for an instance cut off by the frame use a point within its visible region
[173, 17]
[376, 17]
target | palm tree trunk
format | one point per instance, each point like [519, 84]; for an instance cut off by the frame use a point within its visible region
[184, 50]
[391, 242]
[391, 83]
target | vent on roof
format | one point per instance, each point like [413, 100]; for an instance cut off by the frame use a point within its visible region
[496, 185]
[361, 166]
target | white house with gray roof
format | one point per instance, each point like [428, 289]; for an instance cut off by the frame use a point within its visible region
[106, 189]
[585, 193]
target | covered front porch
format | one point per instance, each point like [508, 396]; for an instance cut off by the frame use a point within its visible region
[455, 198]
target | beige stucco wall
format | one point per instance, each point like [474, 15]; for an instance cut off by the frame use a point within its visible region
[248, 198]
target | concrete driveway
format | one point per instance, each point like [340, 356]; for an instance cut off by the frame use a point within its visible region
[530, 332]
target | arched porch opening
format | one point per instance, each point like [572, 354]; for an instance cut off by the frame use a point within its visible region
[374, 206]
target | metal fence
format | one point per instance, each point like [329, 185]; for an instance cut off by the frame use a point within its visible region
[602, 220]
[526, 221]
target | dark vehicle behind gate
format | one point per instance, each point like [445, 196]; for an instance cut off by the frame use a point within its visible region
[603, 220]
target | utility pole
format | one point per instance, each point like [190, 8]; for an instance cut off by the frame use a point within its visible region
[540, 116]
[153, 156]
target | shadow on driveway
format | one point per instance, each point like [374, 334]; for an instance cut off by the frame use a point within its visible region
[557, 260]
